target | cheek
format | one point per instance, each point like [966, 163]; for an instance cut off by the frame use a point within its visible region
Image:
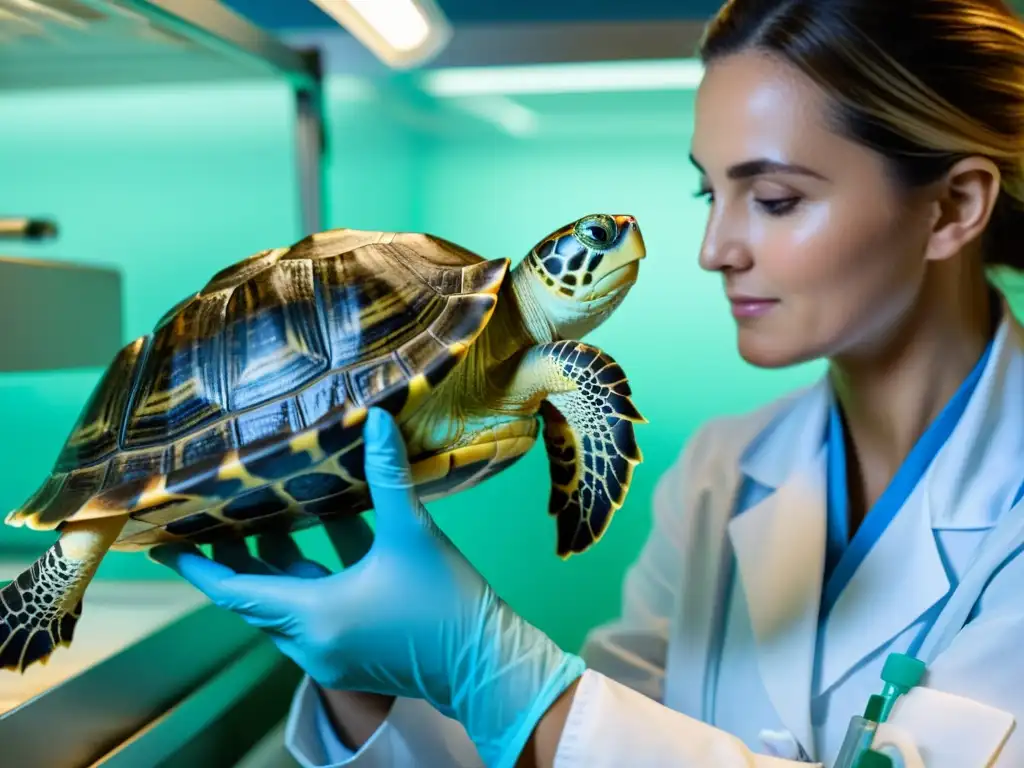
[842, 250]
[840, 278]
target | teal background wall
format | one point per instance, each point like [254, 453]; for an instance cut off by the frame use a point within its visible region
[171, 184]
[164, 184]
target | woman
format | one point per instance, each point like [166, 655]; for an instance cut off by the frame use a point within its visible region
[865, 165]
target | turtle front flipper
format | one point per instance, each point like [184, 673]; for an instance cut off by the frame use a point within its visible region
[40, 608]
[588, 431]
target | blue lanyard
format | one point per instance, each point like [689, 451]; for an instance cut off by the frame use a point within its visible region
[842, 559]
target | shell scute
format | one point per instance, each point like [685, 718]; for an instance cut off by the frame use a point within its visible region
[370, 306]
[133, 465]
[193, 524]
[461, 317]
[274, 340]
[95, 435]
[254, 504]
[326, 395]
[279, 418]
[277, 463]
[181, 386]
[314, 485]
[240, 271]
[214, 441]
[376, 376]
[419, 353]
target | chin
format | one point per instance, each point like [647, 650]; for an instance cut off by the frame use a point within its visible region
[764, 350]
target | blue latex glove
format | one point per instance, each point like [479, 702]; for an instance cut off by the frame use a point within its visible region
[413, 618]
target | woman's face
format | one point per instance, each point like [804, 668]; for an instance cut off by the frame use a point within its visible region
[820, 252]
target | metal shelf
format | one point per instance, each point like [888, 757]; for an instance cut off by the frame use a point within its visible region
[58, 315]
[53, 44]
[223, 721]
[151, 664]
[74, 43]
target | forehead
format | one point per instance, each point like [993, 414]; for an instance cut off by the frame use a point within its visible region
[750, 105]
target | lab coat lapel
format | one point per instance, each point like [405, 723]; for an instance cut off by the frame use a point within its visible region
[976, 475]
[961, 498]
[740, 452]
[779, 546]
[968, 485]
[901, 577]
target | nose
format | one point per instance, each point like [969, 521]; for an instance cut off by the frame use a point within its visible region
[718, 252]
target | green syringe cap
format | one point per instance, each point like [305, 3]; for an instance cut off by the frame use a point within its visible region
[871, 759]
[873, 711]
[902, 671]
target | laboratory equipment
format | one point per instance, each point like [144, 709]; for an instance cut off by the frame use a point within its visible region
[26, 228]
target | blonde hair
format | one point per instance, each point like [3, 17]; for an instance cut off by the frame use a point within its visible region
[923, 82]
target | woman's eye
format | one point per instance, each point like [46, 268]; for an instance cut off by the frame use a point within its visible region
[779, 206]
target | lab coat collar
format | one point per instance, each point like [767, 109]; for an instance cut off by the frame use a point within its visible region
[990, 434]
[791, 440]
[972, 479]
[976, 474]
[779, 543]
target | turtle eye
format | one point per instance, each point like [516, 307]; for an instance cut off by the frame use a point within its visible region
[596, 231]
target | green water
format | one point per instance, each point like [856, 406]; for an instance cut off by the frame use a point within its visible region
[171, 184]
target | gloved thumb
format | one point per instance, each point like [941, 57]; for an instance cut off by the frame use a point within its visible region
[388, 475]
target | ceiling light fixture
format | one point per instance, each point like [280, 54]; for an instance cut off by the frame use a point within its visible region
[401, 33]
[584, 77]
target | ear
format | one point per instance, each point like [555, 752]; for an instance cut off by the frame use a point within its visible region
[966, 197]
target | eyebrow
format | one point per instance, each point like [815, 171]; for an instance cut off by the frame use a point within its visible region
[761, 166]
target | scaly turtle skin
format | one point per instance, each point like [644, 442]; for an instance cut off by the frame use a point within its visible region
[242, 412]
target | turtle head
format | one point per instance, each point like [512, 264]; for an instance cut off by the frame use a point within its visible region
[577, 275]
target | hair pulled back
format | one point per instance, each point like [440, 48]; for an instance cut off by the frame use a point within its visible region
[923, 82]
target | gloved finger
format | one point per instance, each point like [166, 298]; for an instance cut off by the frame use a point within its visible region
[388, 476]
[273, 599]
[351, 537]
[255, 596]
[235, 554]
[280, 551]
[206, 575]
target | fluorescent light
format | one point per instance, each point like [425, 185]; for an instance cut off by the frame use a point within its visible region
[508, 115]
[676, 74]
[401, 33]
[400, 22]
[41, 9]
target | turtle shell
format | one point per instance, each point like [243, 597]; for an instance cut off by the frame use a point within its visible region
[265, 372]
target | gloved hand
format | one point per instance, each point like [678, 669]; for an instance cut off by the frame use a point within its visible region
[413, 618]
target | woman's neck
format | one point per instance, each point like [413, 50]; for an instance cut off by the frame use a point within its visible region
[891, 395]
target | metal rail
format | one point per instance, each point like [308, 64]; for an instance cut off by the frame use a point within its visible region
[90, 716]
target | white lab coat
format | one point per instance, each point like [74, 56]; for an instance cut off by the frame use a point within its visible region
[685, 678]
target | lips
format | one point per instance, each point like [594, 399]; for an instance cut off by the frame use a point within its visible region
[749, 306]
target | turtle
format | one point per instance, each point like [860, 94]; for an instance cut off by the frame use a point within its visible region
[241, 413]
